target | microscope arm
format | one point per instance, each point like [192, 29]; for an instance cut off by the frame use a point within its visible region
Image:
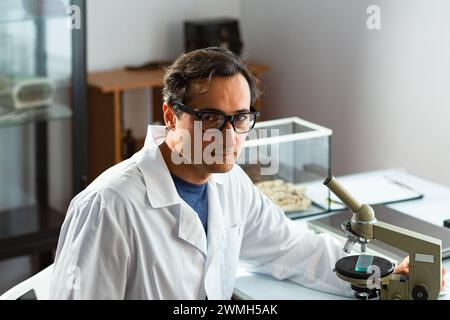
[424, 255]
[408, 241]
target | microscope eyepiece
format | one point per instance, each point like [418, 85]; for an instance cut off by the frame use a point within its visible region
[328, 179]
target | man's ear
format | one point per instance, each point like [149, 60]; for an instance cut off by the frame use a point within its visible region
[169, 116]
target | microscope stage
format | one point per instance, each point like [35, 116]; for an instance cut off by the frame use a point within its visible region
[346, 267]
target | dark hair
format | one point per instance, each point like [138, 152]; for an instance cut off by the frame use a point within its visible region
[203, 64]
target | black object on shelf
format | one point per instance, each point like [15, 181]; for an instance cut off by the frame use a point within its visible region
[219, 32]
[128, 144]
[447, 223]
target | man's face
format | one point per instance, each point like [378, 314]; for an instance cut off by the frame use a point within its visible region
[229, 95]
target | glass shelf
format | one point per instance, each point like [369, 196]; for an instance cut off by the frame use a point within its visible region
[37, 114]
[12, 19]
[26, 10]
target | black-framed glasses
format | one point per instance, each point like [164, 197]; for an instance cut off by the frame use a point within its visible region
[242, 122]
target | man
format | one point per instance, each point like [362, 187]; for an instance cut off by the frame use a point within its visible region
[168, 224]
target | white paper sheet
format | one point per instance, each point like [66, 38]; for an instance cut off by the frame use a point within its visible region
[370, 190]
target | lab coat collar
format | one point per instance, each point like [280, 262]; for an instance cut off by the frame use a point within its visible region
[161, 191]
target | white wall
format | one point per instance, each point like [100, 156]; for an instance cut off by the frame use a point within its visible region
[136, 31]
[384, 93]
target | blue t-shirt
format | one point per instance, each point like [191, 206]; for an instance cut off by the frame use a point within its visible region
[195, 195]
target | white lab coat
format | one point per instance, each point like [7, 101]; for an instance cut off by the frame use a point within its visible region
[129, 235]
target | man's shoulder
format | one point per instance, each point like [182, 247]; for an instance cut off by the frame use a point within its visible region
[115, 184]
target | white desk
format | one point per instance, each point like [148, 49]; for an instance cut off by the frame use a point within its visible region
[434, 207]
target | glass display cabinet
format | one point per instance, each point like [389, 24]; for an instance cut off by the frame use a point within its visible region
[42, 81]
[288, 159]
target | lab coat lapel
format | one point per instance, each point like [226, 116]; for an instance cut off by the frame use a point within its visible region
[191, 229]
[213, 285]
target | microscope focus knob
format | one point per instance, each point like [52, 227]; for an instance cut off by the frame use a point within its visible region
[420, 292]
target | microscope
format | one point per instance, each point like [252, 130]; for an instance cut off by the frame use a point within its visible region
[372, 276]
